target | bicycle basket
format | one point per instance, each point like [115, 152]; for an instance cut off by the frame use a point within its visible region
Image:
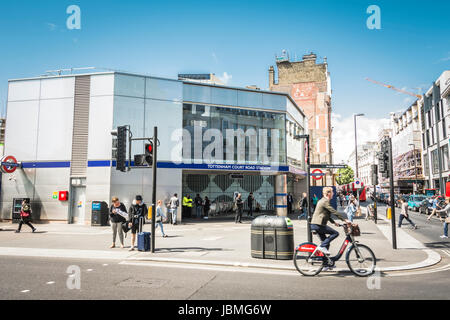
[353, 230]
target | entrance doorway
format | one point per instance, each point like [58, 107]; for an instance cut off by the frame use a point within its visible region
[77, 201]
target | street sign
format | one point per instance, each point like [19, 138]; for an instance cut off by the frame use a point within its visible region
[358, 184]
[9, 164]
[317, 174]
[329, 166]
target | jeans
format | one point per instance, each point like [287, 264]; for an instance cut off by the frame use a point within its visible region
[28, 223]
[446, 229]
[350, 216]
[322, 231]
[304, 210]
[238, 217]
[250, 211]
[401, 220]
[198, 210]
[174, 215]
[117, 227]
[162, 228]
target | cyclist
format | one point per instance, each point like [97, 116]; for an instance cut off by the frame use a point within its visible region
[322, 214]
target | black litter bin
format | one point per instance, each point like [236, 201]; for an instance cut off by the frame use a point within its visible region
[100, 213]
[272, 237]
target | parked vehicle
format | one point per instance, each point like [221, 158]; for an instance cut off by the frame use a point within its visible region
[426, 206]
[415, 202]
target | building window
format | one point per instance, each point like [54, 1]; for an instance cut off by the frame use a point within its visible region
[423, 141]
[435, 161]
[444, 154]
[444, 131]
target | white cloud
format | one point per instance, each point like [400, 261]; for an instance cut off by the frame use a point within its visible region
[225, 78]
[216, 60]
[51, 26]
[344, 136]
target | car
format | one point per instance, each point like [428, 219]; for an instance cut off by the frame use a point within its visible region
[415, 202]
[426, 206]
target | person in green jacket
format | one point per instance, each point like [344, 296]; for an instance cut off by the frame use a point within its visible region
[322, 214]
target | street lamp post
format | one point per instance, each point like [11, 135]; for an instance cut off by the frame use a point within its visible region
[308, 195]
[415, 166]
[356, 147]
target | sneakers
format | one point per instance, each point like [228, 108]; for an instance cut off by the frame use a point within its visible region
[17, 231]
[324, 250]
[443, 236]
[328, 268]
[415, 227]
[132, 248]
[34, 230]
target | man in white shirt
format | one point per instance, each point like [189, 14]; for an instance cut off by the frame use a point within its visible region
[174, 203]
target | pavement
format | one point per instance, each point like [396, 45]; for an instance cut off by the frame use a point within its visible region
[213, 242]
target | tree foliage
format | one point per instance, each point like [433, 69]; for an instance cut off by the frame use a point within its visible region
[345, 176]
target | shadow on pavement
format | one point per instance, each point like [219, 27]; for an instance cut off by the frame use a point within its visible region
[438, 245]
[190, 249]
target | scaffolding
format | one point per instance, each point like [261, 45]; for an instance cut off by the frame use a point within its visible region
[407, 165]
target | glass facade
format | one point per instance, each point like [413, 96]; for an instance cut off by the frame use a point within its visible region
[214, 134]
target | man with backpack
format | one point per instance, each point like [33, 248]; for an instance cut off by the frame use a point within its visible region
[137, 211]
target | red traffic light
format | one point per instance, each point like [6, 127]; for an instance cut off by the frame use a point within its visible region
[149, 148]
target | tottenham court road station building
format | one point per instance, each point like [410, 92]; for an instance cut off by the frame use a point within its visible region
[214, 140]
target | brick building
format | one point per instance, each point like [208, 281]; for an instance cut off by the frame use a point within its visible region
[308, 83]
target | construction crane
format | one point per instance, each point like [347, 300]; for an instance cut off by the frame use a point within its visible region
[394, 88]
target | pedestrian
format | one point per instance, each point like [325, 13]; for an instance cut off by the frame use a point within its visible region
[347, 198]
[350, 210]
[303, 206]
[118, 215]
[239, 204]
[447, 219]
[206, 207]
[174, 203]
[198, 201]
[435, 209]
[404, 214]
[250, 200]
[25, 216]
[290, 201]
[187, 206]
[315, 199]
[137, 211]
[160, 217]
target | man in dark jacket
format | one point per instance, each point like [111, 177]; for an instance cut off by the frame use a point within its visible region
[198, 201]
[117, 213]
[250, 200]
[290, 201]
[137, 211]
[239, 206]
[25, 216]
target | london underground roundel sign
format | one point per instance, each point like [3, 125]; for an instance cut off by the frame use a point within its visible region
[5, 168]
[317, 174]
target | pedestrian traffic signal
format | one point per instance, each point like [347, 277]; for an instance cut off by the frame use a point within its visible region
[119, 147]
[374, 174]
[383, 159]
[149, 153]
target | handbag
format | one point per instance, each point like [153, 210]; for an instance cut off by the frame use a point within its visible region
[358, 212]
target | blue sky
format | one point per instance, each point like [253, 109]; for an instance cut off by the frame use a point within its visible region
[241, 38]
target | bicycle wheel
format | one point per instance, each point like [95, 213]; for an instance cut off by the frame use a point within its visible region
[306, 264]
[361, 260]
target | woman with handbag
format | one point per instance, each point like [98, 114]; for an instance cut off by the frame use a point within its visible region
[160, 217]
[447, 219]
[118, 214]
[25, 216]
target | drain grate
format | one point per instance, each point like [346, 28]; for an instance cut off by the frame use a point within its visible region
[143, 283]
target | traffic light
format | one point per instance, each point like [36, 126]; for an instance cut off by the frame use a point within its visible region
[374, 174]
[383, 159]
[119, 147]
[149, 153]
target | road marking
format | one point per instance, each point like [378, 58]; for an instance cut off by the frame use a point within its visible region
[212, 268]
[105, 264]
[89, 270]
[51, 282]
[25, 291]
[444, 268]
[447, 252]
[212, 239]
